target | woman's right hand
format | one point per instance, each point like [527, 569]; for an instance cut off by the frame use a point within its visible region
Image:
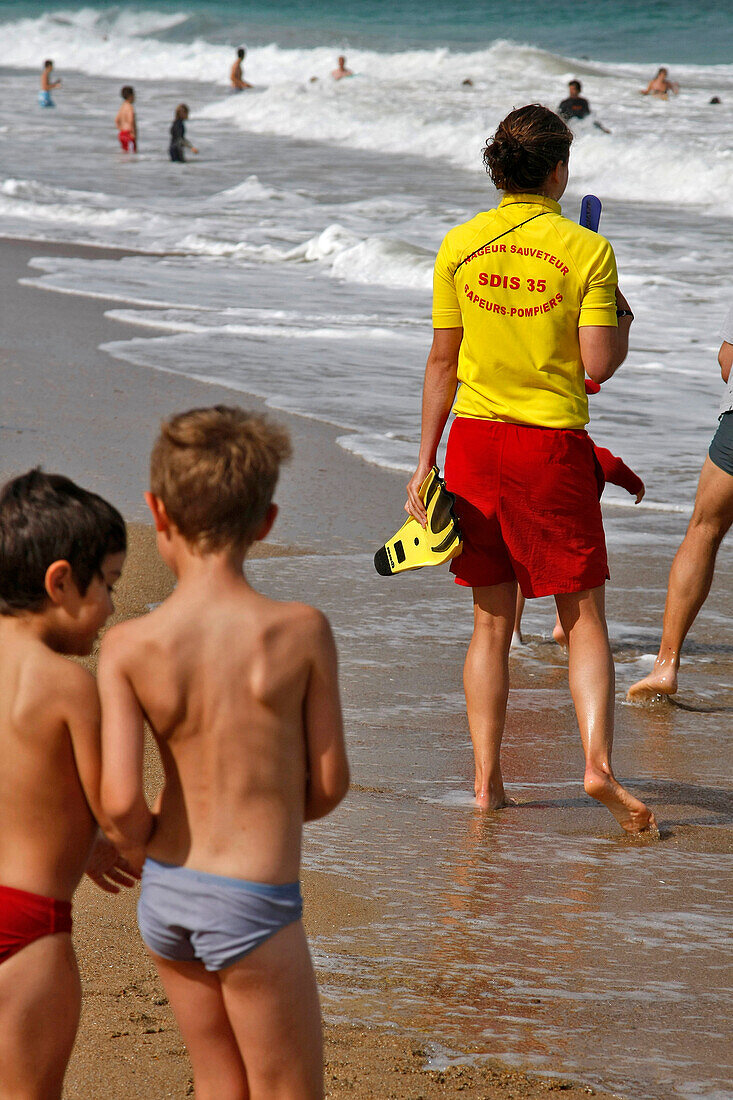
[413, 505]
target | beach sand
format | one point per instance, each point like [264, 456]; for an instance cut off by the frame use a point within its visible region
[402, 884]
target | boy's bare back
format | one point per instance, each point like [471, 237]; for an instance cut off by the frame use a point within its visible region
[225, 677]
[125, 117]
[49, 713]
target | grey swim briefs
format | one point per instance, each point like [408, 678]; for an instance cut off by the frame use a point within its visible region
[187, 915]
[721, 448]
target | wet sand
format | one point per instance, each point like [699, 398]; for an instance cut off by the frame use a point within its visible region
[537, 935]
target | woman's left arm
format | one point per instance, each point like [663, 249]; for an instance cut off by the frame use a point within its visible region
[439, 390]
[725, 358]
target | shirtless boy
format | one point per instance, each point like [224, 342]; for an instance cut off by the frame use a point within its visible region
[241, 694]
[661, 85]
[61, 551]
[236, 77]
[125, 120]
[47, 85]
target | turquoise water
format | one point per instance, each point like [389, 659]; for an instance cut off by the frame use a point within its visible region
[659, 32]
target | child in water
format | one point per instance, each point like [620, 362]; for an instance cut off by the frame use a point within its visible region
[178, 135]
[126, 122]
[47, 85]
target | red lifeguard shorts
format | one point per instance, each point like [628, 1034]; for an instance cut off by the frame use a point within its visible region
[528, 504]
[25, 917]
[127, 141]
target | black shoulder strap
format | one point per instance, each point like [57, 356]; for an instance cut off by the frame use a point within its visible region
[483, 246]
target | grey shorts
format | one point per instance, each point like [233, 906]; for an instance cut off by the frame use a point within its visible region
[721, 448]
[187, 915]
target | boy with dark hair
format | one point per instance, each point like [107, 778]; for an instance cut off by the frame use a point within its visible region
[575, 106]
[126, 120]
[241, 694]
[47, 85]
[61, 551]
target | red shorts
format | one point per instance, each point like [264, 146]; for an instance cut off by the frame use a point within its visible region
[528, 504]
[26, 917]
[127, 140]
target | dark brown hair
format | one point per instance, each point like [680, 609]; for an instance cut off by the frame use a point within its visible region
[215, 471]
[181, 111]
[46, 518]
[527, 145]
[127, 91]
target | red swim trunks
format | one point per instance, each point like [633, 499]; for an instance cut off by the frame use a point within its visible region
[26, 917]
[127, 140]
[527, 501]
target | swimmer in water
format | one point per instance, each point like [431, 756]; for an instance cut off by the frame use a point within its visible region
[47, 85]
[660, 86]
[575, 106]
[179, 141]
[236, 76]
[125, 120]
[341, 71]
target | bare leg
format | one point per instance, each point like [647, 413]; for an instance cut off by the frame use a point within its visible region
[591, 673]
[486, 684]
[690, 578]
[197, 1001]
[40, 1000]
[271, 1000]
[517, 632]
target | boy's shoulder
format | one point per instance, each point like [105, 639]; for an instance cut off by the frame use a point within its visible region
[54, 686]
[300, 617]
[129, 639]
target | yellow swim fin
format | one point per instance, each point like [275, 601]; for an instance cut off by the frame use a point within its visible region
[413, 546]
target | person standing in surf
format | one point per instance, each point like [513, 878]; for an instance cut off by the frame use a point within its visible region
[179, 142]
[525, 304]
[45, 99]
[236, 76]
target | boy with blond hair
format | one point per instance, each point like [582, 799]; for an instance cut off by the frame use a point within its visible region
[241, 694]
[61, 551]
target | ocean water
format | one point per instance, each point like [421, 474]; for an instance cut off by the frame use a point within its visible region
[292, 259]
[311, 218]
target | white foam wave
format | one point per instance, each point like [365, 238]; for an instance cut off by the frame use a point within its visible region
[377, 261]
[414, 102]
[251, 190]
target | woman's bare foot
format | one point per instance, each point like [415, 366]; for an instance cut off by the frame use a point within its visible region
[662, 680]
[632, 815]
[492, 796]
[559, 634]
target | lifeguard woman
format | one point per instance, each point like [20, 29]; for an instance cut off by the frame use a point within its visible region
[525, 304]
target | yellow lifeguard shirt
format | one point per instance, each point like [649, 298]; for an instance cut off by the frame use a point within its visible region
[520, 289]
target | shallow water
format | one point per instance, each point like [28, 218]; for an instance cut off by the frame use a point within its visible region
[539, 934]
